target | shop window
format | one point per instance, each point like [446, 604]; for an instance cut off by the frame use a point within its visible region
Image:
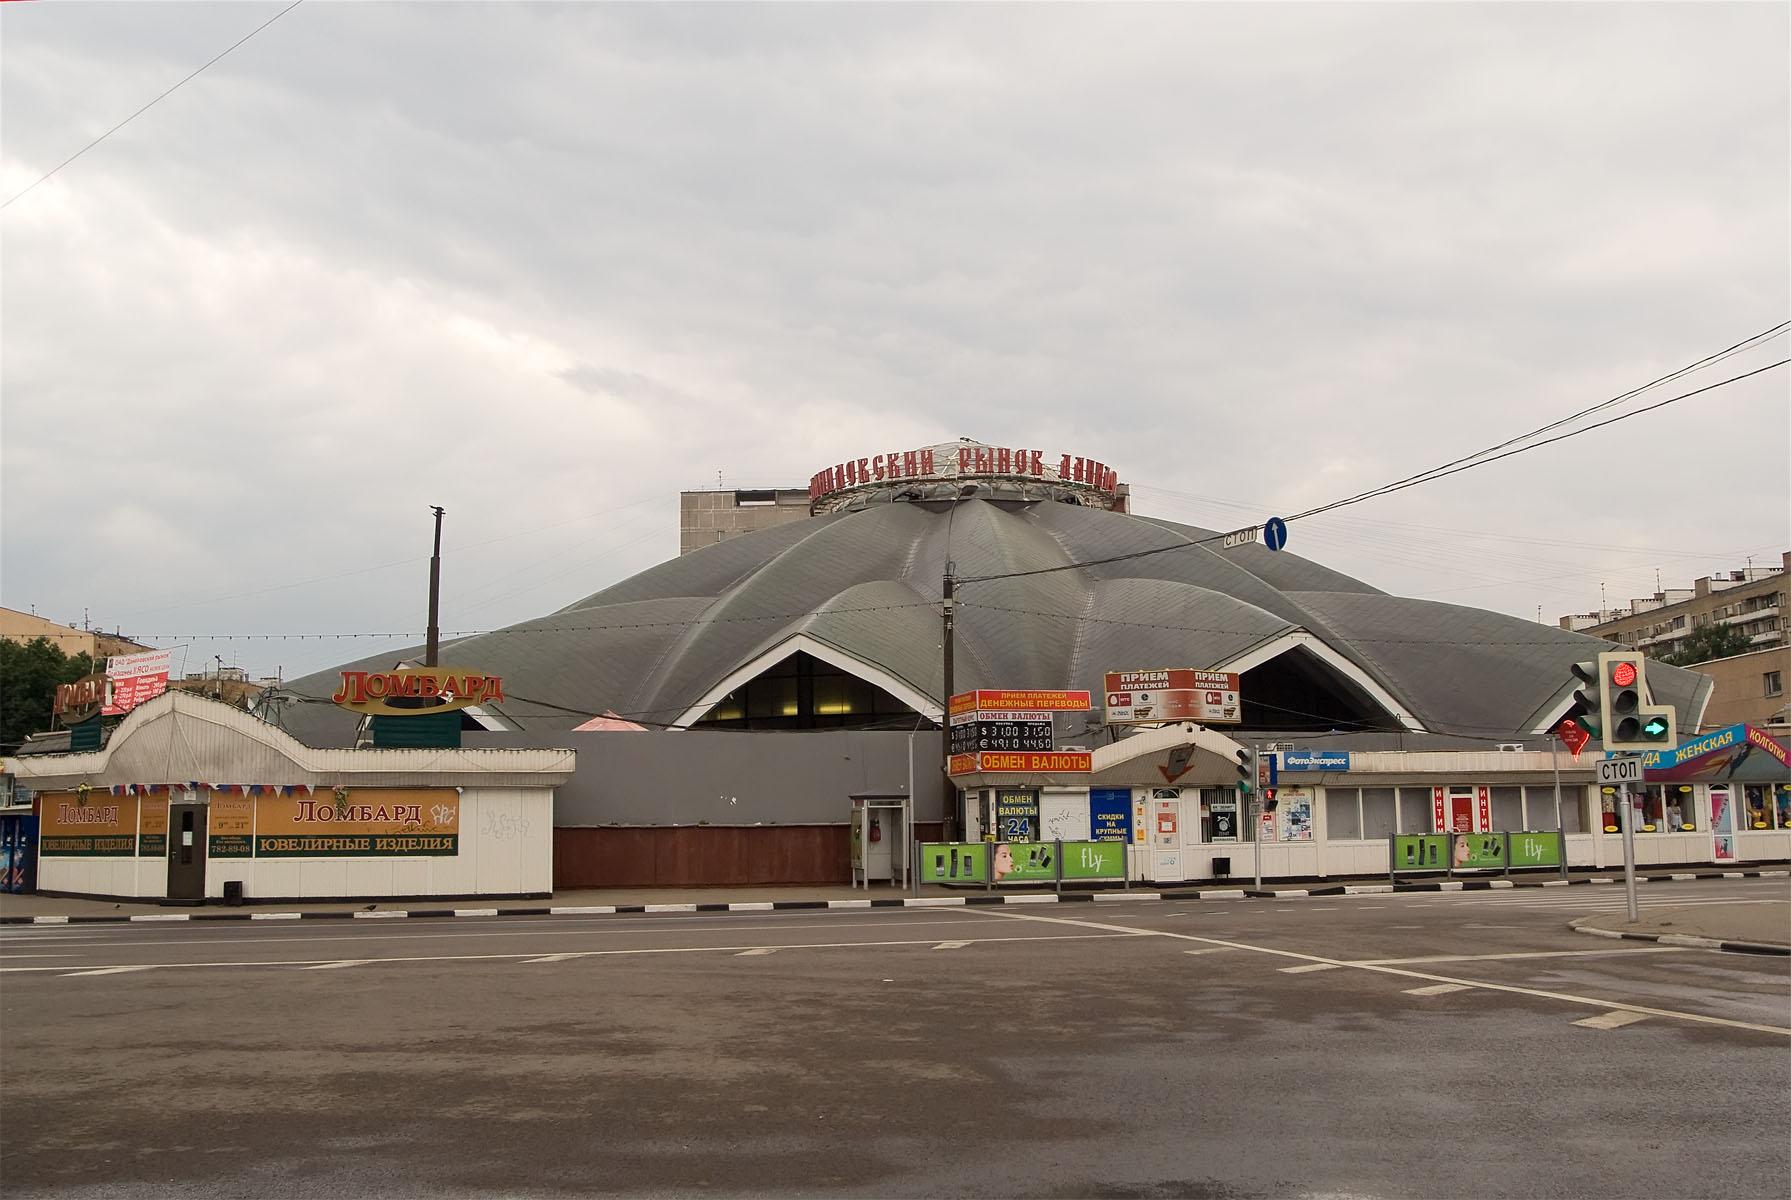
[1343, 814]
[1755, 814]
[1378, 819]
[1414, 810]
[1218, 814]
[1508, 809]
[1539, 807]
[1783, 792]
[1608, 819]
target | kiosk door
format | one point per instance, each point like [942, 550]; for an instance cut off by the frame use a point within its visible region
[186, 851]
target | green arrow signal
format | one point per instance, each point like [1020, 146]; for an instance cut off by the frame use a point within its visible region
[1655, 728]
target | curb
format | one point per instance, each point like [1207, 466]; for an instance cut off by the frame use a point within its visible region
[1684, 939]
[973, 900]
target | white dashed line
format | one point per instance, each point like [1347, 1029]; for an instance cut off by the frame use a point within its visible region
[1616, 1019]
[757, 952]
[1437, 989]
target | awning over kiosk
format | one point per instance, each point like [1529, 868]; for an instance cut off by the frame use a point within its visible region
[1737, 752]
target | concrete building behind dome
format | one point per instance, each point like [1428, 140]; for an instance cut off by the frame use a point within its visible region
[708, 517]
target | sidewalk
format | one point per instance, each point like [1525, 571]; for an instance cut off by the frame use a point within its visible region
[1747, 928]
[35, 909]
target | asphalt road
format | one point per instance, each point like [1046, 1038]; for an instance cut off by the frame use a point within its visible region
[1442, 1044]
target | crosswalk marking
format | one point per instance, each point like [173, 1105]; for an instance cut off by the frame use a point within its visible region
[1611, 1020]
[1436, 989]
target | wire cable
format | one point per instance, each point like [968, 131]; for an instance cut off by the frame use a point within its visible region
[208, 62]
[1456, 467]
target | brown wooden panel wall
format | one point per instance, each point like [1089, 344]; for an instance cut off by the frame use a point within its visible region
[704, 856]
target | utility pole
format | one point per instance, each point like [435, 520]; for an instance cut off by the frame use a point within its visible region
[945, 642]
[1629, 853]
[433, 637]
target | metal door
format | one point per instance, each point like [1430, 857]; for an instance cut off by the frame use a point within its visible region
[186, 851]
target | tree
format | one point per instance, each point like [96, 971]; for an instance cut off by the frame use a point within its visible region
[1707, 642]
[29, 673]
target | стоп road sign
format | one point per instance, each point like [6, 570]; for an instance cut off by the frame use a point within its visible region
[1627, 769]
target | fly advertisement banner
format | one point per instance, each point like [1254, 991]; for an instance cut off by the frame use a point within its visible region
[359, 823]
[98, 825]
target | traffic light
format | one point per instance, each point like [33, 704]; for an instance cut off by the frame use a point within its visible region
[1587, 710]
[1268, 800]
[1246, 770]
[1631, 720]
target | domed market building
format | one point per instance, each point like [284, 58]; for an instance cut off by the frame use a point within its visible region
[729, 702]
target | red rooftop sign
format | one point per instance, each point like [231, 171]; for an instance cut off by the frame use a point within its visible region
[963, 460]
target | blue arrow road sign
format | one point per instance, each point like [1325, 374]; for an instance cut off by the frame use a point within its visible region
[1274, 533]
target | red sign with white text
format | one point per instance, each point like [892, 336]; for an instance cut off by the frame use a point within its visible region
[136, 679]
[1025, 762]
[1007, 700]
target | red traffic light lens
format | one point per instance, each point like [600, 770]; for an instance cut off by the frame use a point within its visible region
[1623, 674]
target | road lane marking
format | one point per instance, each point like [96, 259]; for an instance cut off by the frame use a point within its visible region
[550, 958]
[1206, 950]
[1436, 989]
[424, 933]
[1442, 958]
[951, 945]
[1612, 1020]
[1308, 967]
[636, 951]
[757, 951]
[1379, 969]
[67, 974]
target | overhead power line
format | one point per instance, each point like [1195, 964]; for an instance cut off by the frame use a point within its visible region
[1456, 466]
[208, 62]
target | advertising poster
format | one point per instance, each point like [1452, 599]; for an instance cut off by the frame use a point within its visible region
[1478, 850]
[98, 825]
[1210, 697]
[1025, 862]
[1110, 814]
[152, 832]
[361, 822]
[1223, 816]
[1722, 825]
[1296, 814]
[953, 862]
[1535, 849]
[232, 832]
[1016, 814]
[1094, 860]
[1265, 827]
[135, 679]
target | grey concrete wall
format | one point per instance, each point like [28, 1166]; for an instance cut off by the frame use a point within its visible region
[735, 778]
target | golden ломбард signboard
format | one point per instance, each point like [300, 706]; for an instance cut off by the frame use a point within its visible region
[359, 823]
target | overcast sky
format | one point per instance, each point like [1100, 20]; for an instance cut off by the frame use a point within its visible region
[548, 265]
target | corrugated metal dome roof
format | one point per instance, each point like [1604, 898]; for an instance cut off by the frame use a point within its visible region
[863, 589]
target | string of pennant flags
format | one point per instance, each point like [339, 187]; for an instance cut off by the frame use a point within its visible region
[193, 785]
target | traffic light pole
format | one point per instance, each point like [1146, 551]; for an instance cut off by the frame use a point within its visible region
[1256, 810]
[1629, 853]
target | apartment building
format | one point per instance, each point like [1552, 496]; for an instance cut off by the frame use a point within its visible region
[1752, 600]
